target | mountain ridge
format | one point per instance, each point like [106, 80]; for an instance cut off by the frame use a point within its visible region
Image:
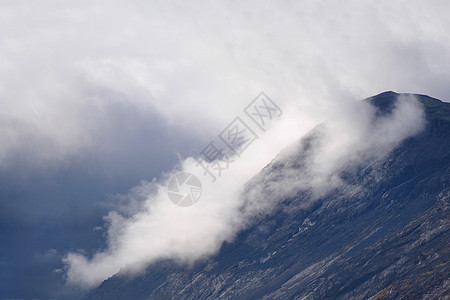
[341, 246]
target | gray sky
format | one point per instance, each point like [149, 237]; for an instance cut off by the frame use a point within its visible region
[96, 96]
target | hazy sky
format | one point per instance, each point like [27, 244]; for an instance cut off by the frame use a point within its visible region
[97, 96]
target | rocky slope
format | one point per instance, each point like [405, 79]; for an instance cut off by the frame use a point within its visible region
[389, 240]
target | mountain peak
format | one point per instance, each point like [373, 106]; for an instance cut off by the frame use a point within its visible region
[386, 94]
[385, 103]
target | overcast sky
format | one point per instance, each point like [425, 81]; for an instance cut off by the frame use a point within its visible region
[99, 98]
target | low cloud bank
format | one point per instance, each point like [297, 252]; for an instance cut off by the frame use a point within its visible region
[162, 230]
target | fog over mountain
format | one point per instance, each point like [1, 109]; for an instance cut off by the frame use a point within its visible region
[161, 231]
[374, 226]
[101, 103]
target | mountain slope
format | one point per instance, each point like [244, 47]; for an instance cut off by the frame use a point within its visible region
[388, 240]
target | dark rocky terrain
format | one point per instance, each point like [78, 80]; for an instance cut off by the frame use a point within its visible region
[389, 240]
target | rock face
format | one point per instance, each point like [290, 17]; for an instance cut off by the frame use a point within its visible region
[389, 240]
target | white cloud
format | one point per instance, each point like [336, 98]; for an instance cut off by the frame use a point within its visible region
[197, 64]
[164, 231]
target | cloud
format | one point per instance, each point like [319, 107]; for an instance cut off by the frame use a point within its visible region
[350, 141]
[161, 230]
[78, 80]
[63, 64]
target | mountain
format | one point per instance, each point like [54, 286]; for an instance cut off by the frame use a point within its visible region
[388, 240]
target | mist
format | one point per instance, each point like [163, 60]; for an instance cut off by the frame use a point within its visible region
[101, 104]
[161, 230]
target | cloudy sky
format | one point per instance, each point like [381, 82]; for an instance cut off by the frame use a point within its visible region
[102, 101]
